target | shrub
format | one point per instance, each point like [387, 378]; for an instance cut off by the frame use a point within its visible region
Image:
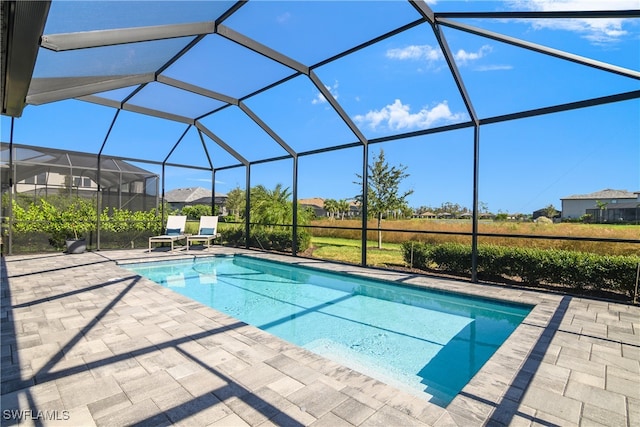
[77, 217]
[266, 238]
[196, 211]
[578, 270]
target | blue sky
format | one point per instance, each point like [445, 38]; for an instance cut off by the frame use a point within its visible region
[401, 84]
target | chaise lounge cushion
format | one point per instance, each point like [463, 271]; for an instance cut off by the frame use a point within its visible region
[173, 232]
[207, 231]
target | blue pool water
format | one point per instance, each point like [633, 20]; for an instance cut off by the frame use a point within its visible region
[429, 343]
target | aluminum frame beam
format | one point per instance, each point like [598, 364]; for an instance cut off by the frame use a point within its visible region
[541, 49]
[221, 143]
[257, 120]
[158, 113]
[109, 83]
[22, 25]
[337, 107]
[179, 84]
[263, 50]
[592, 102]
[99, 38]
[532, 14]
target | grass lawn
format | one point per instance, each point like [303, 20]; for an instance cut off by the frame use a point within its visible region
[349, 250]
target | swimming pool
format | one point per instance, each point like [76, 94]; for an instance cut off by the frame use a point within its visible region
[429, 343]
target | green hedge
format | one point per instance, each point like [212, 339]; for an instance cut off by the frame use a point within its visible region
[578, 270]
[265, 238]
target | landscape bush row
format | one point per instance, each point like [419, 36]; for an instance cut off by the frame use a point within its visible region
[577, 270]
[77, 218]
[272, 239]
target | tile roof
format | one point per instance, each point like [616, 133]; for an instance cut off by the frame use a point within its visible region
[604, 194]
[190, 194]
[313, 201]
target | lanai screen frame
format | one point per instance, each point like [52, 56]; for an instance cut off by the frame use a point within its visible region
[436, 20]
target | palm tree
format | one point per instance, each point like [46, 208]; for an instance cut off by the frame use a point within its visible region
[331, 206]
[343, 207]
[271, 207]
[603, 207]
[236, 202]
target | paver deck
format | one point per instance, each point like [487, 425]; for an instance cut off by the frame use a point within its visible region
[85, 342]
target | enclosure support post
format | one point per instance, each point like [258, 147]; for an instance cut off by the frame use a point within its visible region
[247, 204]
[11, 192]
[449, 57]
[213, 174]
[294, 231]
[364, 210]
[213, 193]
[98, 203]
[162, 197]
[474, 229]
[98, 177]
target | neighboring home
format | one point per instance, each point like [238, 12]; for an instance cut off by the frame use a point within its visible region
[181, 197]
[425, 215]
[317, 204]
[40, 172]
[604, 206]
[543, 212]
[48, 180]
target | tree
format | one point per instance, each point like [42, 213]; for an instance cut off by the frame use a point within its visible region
[383, 193]
[196, 211]
[236, 202]
[603, 207]
[343, 207]
[550, 211]
[331, 206]
[271, 207]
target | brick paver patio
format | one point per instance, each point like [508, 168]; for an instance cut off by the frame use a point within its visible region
[85, 342]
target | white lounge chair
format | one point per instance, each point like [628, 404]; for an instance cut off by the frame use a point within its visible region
[173, 232]
[207, 231]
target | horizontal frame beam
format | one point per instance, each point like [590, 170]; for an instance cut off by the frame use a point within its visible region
[89, 39]
[541, 49]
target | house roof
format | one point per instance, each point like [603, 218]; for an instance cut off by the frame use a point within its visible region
[34, 160]
[189, 195]
[604, 194]
[319, 202]
[313, 201]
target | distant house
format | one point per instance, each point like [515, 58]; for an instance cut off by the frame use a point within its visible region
[604, 206]
[317, 204]
[181, 197]
[543, 212]
[425, 215]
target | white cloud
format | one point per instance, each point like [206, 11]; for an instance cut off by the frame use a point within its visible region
[398, 116]
[416, 53]
[492, 67]
[597, 31]
[281, 19]
[320, 99]
[433, 54]
[462, 57]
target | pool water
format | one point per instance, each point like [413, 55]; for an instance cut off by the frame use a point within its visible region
[426, 342]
